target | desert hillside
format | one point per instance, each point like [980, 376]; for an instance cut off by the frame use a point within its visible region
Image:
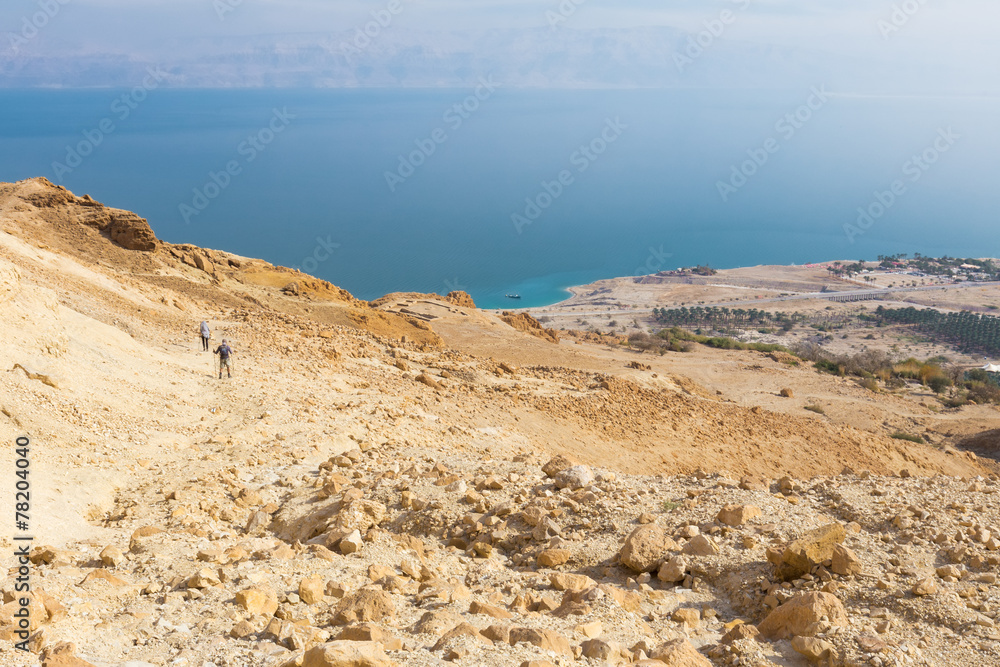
[416, 481]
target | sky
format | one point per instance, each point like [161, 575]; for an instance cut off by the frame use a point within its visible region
[954, 31]
[894, 46]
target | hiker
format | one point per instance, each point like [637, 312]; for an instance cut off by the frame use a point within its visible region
[205, 335]
[224, 352]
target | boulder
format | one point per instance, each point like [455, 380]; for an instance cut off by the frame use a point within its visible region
[352, 543]
[673, 570]
[845, 562]
[562, 581]
[258, 600]
[366, 632]
[547, 640]
[608, 653]
[737, 515]
[556, 465]
[364, 606]
[312, 590]
[810, 550]
[576, 477]
[812, 648]
[436, 623]
[644, 548]
[797, 614]
[62, 655]
[679, 653]
[553, 557]
[347, 654]
[926, 586]
[489, 610]
[701, 545]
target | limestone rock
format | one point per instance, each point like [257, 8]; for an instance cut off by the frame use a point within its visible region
[741, 631]
[365, 605]
[687, 617]
[679, 653]
[926, 586]
[312, 590]
[547, 640]
[556, 465]
[459, 631]
[795, 616]
[809, 550]
[701, 545]
[845, 562]
[644, 548]
[737, 515]
[204, 578]
[436, 623]
[812, 648]
[367, 632]
[241, 630]
[562, 581]
[258, 600]
[489, 610]
[347, 654]
[673, 570]
[352, 543]
[62, 655]
[609, 653]
[112, 556]
[576, 477]
[553, 557]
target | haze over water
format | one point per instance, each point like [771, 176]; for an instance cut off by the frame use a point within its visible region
[316, 196]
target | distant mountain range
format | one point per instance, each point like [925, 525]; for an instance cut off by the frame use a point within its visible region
[655, 57]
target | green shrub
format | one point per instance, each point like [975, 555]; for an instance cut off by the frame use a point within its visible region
[818, 409]
[871, 385]
[909, 438]
[938, 383]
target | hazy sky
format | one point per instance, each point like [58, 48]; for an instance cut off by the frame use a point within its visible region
[958, 32]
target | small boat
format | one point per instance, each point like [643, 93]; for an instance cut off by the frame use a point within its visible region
[513, 296]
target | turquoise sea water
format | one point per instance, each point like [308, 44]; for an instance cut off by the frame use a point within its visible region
[600, 184]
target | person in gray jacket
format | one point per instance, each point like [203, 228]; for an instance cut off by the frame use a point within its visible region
[205, 335]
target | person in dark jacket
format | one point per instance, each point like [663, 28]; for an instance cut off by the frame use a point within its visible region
[225, 355]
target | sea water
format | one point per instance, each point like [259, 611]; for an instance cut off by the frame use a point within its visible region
[499, 191]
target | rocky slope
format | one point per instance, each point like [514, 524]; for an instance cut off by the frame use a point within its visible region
[417, 482]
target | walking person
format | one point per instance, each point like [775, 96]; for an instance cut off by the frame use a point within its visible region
[225, 353]
[206, 334]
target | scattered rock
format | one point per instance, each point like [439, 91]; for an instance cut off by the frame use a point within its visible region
[347, 654]
[800, 612]
[645, 547]
[737, 515]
